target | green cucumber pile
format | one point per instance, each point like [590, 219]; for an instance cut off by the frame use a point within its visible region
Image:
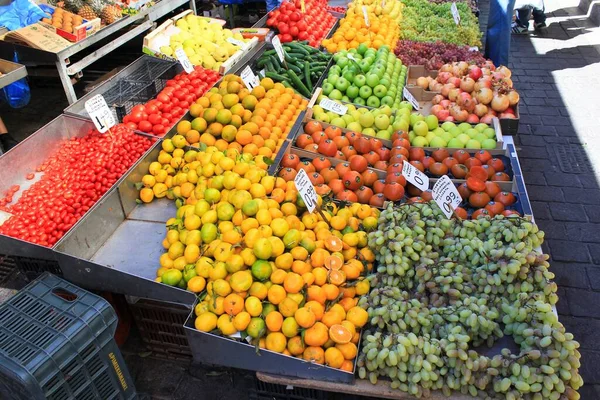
[303, 66]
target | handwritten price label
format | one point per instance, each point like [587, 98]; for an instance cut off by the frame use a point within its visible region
[236, 42]
[184, 60]
[446, 196]
[100, 114]
[414, 176]
[455, 14]
[249, 79]
[496, 124]
[333, 106]
[306, 190]
[278, 49]
[302, 6]
[411, 99]
[364, 8]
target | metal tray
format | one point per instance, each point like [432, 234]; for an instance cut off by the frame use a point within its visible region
[11, 72]
[117, 244]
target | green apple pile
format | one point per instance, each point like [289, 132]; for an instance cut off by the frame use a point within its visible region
[366, 76]
[378, 122]
[426, 132]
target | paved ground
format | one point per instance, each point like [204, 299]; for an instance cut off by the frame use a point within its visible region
[557, 76]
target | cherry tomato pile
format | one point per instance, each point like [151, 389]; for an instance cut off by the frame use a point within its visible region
[73, 179]
[158, 115]
[293, 24]
[338, 9]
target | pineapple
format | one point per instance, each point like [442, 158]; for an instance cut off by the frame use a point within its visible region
[87, 12]
[72, 5]
[110, 14]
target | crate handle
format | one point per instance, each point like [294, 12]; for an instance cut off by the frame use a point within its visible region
[64, 294]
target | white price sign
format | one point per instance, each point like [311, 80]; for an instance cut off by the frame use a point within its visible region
[474, 48]
[278, 49]
[99, 112]
[496, 124]
[306, 190]
[184, 60]
[249, 79]
[364, 8]
[333, 106]
[414, 176]
[382, 3]
[411, 99]
[4, 216]
[302, 6]
[446, 196]
[350, 57]
[455, 14]
[236, 42]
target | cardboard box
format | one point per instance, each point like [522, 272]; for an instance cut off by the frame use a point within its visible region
[79, 33]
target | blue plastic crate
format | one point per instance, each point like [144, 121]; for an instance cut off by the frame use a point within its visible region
[56, 342]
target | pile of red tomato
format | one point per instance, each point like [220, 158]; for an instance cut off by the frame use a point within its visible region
[338, 9]
[158, 115]
[73, 179]
[292, 24]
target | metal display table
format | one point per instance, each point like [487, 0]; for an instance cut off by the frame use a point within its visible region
[143, 21]
[11, 72]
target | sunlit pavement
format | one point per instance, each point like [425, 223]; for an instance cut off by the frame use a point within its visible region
[556, 74]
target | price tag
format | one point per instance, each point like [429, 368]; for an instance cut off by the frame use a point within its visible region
[364, 8]
[249, 79]
[411, 99]
[302, 6]
[236, 42]
[446, 196]
[184, 60]
[278, 49]
[262, 73]
[414, 176]
[455, 14]
[306, 190]
[474, 48]
[496, 125]
[4, 216]
[99, 112]
[333, 106]
[350, 57]
[382, 3]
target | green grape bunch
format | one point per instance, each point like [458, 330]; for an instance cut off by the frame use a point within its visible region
[444, 293]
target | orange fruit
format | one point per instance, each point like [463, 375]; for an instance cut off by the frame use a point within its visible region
[293, 283]
[241, 321]
[317, 294]
[233, 304]
[336, 277]
[317, 308]
[333, 357]
[316, 335]
[348, 292]
[305, 317]
[278, 276]
[347, 366]
[276, 341]
[288, 307]
[334, 262]
[331, 291]
[320, 274]
[253, 306]
[295, 346]
[314, 354]
[308, 278]
[348, 302]
[358, 316]
[331, 318]
[274, 320]
[340, 334]
[349, 350]
[276, 294]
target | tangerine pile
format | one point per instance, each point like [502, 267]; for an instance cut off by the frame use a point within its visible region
[251, 121]
[353, 31]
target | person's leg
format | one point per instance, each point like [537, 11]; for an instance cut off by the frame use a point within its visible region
[523, 15]
[6, 140]
[539, 18]
[498, 31]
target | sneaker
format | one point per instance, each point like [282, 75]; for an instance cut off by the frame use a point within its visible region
[540, 26]
[7, 141]
[519, 29]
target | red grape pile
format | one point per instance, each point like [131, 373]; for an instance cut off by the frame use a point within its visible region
[435, 54]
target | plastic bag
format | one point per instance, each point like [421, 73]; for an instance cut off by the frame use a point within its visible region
[19, 14]
[17, 94]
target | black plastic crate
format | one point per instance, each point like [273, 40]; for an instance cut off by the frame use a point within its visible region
[33, 268]
[269, 391]
[7, 267]
[136, 84]
[56, 343]
[160, 325]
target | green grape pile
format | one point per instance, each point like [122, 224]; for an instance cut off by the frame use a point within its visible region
[423, 21]
[446, 290]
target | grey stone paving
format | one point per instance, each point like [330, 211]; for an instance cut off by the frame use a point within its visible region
[559, 149]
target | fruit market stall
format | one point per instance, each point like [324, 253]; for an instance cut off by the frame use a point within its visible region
[58, 50]
[308, 218]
